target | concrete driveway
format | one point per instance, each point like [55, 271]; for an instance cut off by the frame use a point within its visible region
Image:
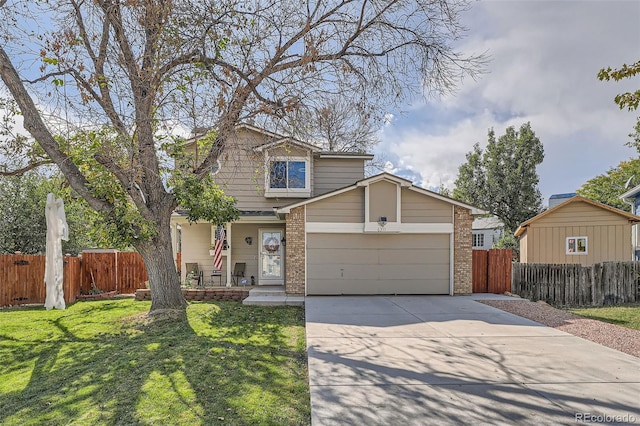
[451, 360]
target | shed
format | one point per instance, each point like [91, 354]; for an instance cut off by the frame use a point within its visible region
[578, 230]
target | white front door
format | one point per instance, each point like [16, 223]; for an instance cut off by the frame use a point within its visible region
[271, 257]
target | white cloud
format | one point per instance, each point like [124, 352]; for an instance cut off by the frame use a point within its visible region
[545, 57]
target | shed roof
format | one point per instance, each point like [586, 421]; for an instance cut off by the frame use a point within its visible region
[577, 199]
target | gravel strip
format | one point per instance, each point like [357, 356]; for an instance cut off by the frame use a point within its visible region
[612, 336]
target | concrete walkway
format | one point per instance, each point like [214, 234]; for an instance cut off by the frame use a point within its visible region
[450, 360]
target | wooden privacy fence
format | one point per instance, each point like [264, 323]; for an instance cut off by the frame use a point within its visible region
[607, 283]
[22, 279]
[491, 270]
[22, 276]
[123, 272]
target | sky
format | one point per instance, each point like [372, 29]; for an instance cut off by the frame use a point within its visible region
[544, 60]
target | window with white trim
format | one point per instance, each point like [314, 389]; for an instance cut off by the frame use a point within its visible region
[288, 177]
[577, 245]
[478, 240]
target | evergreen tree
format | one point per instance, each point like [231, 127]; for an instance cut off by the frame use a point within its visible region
[503, 179]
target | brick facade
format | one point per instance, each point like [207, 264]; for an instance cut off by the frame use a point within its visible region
[462, 255]
[295, 259]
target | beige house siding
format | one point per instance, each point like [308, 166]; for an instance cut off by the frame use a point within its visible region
[286, 150]
[347, 207]
[195, 248]
[383, 201]
[608, 236]
[334, 173]
[417, 208]
[242, 170]
[242, 252]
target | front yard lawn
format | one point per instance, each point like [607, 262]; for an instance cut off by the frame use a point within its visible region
[97, 363]
[626, 316]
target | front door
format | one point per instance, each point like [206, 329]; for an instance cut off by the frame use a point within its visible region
[271, 257]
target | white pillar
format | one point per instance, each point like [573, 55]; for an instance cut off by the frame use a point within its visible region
[228, 226]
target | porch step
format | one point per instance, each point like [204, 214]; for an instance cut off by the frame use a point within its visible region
[268, 290]
[272, 296]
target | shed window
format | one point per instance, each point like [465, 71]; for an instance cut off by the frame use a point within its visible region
[577, 245]
[478, 240]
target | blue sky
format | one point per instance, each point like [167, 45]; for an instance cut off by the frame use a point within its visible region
[544, 59]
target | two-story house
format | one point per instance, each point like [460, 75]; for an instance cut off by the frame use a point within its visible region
[313, 223]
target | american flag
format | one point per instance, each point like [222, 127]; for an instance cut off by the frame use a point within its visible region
[221, 235]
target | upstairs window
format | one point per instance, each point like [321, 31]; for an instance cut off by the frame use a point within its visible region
[287, 174]
[288, 177]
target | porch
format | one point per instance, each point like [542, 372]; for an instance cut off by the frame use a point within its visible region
[256, 244]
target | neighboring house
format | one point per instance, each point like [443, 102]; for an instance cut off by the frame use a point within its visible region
[577, 231]
[310, 221]
[556, 199]
[632, 197]
[486, 232]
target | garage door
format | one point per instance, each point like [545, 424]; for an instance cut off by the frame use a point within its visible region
[378, 264]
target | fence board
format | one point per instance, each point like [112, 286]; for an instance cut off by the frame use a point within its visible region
[480, 275]
[499, 270]
[132, 273]
[22, 279]
[71, 282]
[491, 271]
[22, 276]
[609, 283]
[99, 271]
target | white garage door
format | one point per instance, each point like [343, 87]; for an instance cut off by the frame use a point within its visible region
[378, 263]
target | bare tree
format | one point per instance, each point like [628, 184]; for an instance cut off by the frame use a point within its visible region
[143, 67]
[336, 124]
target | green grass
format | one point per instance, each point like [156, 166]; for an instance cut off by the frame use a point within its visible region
[626, 316]
[97, 363]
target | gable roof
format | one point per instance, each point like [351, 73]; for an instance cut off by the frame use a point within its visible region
[492, 222]
[278, 139]
[380, 177]
[289, 141]
[577, 199]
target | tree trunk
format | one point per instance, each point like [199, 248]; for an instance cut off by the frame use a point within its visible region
[164, 282]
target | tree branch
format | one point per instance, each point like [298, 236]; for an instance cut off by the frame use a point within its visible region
[25, 169]
[34, 124]
[104, 99]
